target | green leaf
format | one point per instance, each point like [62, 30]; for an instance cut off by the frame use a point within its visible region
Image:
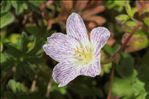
[129, 25]
[24, 42]
[146, 21]
[5, 6]
[16, 86]
[1, 46]
[143, 69]
[129, 88]
[14, 3]
[12, 50]
[3, 57]
[54, 87]
[34, 30]
[137, 42]
[125, 67]
[128, 9]
[106, 68]
[12, 85]
[22, 6]
[37, 3]
[114, 4]
[134, 10]
[6, 19]
[14, 39]
[19, 6]
[122, 18]
[37, 49]
[111, 50]
[139, 90]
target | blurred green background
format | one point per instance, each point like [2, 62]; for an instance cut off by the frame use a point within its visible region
[26, 70]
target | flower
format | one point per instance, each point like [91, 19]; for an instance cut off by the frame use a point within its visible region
[77, 52]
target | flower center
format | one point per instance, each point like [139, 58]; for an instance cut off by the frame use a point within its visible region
[84, 55]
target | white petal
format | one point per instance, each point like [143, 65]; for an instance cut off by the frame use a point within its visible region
[92, 70]
[60, 47]
[99, 37]
[64, 72]
[75, 27]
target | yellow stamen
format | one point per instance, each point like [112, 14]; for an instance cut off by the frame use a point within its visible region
[84, 55]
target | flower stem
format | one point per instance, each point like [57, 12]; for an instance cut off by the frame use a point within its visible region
[123, 46]
[111, 80]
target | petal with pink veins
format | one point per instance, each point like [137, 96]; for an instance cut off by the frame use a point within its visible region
[76, 28]
[64, 72]
[60, 47]
[91, 70]
[99, 37]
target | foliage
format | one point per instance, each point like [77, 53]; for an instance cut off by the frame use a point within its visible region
[26, 70]
[132, 87]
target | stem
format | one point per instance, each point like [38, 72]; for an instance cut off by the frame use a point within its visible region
[129, 37]
[119, 51]
[48, 88]
[111, 80]
[34, 82]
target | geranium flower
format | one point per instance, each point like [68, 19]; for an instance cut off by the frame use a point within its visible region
[78, 52]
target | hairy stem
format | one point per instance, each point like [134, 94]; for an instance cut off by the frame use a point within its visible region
[123, 46]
